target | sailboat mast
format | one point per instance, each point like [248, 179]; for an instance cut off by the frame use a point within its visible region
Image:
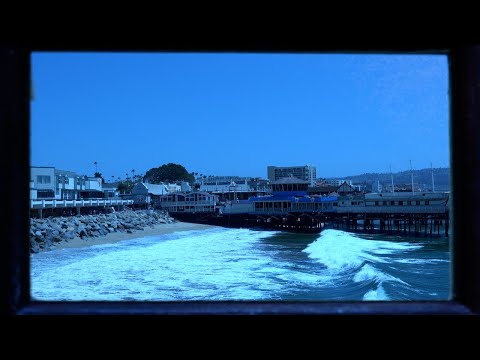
[433, 181]
[411, 169]
[391, 175]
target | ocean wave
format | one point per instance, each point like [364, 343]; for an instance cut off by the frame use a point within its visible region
[370, 273]
[421, 261]
[193, 265]
[378, 294]
[340, 250]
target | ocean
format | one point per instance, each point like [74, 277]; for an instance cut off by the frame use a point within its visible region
[242, 264]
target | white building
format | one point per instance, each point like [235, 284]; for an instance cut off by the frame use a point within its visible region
[224, 186]
[338, 182]
[179, 202]
[68, 184]
[42, 182]
[46, 182]
[306, 172]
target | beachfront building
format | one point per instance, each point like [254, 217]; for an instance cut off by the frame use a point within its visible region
[68, 185]
[42, 182]
[306, 173]
[322, 190]
[91, 188]
[185, 186]
[110, 191]
[146, 193]
[193, 202]
[49, 183]
[345, 189]
[338, 182]
[235, 187]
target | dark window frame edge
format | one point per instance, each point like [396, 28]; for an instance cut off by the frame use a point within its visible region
[465, 152]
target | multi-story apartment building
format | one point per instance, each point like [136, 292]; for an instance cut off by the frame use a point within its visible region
[234, 183]
[338, 182]
[46, 182]
[305, 172]
[42, 182]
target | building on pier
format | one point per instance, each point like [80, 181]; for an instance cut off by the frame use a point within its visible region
[234, 187]
[307, 173]
[192, 202]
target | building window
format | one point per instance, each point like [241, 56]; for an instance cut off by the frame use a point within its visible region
[417, 202]
[43, 179]
[392, 202]
[385, 203]
[376, 202]
[427, 202]
[45, 194]
[400, 203]
[409, 202]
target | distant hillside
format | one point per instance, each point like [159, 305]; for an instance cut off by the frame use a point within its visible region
[421, 177]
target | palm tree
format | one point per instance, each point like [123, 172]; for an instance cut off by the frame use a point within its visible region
[133, 174]
[113, 177]
[95, 163]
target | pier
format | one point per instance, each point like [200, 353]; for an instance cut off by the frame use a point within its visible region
[74, 207]
[411, 224]
[301, 223]
[291, 208]
[414, 224]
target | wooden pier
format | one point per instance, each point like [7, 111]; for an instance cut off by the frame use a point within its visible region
[432, 225]
[41, 208]
[302, 223]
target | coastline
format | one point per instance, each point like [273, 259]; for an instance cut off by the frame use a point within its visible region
[158, 229]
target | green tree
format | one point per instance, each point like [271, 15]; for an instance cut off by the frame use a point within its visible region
[99, 175]
[125, 187]
[169, 173]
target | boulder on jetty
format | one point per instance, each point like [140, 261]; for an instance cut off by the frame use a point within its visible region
[45, 232]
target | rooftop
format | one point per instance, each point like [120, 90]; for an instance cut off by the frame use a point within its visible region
[290, 180]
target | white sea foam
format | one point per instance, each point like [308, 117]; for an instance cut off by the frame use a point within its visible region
[369, 273]
[420, 261]
[378, 294]
[221, 264]
[339, 250]
[211, 264]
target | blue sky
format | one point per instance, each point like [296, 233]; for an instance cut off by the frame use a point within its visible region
[235, 114]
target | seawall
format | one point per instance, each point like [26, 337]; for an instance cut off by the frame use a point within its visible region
[44, 233]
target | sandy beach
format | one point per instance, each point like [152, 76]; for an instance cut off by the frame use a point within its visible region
[159, 229]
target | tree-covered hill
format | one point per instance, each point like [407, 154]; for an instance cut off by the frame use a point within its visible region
[421, 177]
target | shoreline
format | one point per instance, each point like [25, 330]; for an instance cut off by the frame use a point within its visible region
[111, 238]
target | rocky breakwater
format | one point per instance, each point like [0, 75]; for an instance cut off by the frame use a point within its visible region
[45, 233]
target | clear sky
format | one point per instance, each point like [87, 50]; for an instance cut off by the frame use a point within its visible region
[235, 114]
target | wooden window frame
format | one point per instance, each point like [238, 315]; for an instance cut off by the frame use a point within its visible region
[464, 74]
